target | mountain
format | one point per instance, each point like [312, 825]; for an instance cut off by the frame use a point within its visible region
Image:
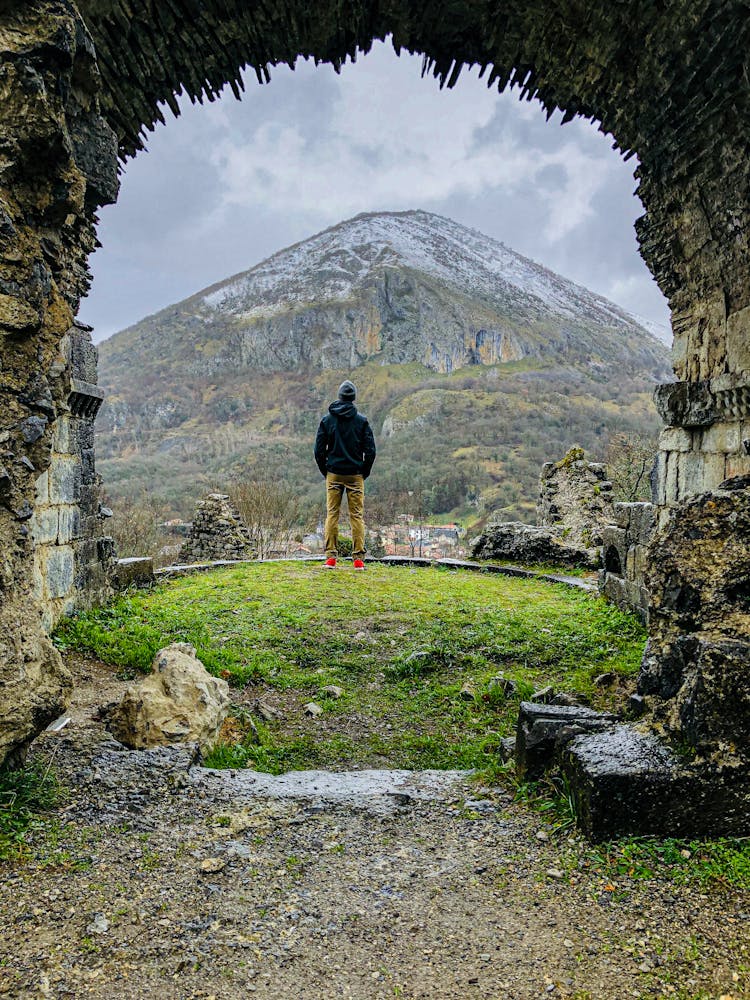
[474, 364]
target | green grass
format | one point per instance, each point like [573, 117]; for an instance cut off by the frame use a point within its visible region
[414, 650]
[24, 793]
[682, 862]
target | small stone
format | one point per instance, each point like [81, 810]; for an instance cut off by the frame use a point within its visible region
[210, 866]
[544, 695]
[99, 924]
[605, 680]
[568, 943]
[312, 709]
[555, 873]
[332, 690]
[266, 711]
[503, 683]
[542, 835]
[467, 692]
[637, 705]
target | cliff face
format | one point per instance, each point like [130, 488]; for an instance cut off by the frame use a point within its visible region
[393, 288]
[473, 363]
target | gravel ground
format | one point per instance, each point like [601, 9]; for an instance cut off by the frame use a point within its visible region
[156, 880]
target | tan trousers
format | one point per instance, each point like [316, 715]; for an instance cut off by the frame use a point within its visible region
[354, 487]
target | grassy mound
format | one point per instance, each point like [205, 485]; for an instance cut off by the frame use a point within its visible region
[417, 654]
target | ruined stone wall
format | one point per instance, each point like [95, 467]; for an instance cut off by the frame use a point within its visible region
[625, 556]
[59, 161]
[217, 532]
[73, 557]
[575, 498]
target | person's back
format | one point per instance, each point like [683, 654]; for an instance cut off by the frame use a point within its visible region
[344, 453]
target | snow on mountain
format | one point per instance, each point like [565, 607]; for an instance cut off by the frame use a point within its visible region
[329, 266]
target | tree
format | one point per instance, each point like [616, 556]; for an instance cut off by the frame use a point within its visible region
[271, 511]
[136, 526]
[629, 458]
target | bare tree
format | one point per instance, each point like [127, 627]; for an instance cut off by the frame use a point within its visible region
[629, 458]
[271, 511]
[136, 526]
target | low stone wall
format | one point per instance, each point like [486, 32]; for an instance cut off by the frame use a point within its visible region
[624, 556]
[73, 558]
[217, 532]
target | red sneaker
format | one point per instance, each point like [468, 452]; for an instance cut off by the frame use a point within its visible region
[358, 564]
[330, 563]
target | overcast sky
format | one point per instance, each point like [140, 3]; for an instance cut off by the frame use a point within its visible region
[229, 183]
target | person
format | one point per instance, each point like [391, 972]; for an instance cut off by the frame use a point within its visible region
[344, 453]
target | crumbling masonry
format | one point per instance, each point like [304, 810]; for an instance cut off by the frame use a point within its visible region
[81, 82]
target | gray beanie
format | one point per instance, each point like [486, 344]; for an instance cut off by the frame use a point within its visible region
[347, 391]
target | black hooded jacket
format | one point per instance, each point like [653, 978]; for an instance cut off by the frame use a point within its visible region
[344, 443]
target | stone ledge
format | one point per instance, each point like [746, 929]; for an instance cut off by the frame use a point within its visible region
[542, 730]
[135, 571]
[629, 782]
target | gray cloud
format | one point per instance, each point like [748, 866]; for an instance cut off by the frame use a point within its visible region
[227, 184]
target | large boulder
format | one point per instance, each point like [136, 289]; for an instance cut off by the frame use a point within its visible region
[527, 543]
[180, 702]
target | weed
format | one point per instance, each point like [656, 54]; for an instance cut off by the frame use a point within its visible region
[24, 793]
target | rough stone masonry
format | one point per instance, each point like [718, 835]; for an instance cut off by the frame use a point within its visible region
[81, 83]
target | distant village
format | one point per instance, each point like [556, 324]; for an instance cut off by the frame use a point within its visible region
[406, 537]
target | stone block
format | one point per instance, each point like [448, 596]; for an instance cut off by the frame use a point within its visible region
[714, 471]
[714, 701]
[543, 729]
[658, 478]
[676, 439]
[613, 587]
[622, 514]
[685, 404]
[642, 522]
[60, 570]
[64, 480]
[42, 489]
[737, 465]
[689, 479]
[69, 524]
[61, 435]
[626, 782]
[738, 340]
[133, 572]
[44, 525]
[724, 437]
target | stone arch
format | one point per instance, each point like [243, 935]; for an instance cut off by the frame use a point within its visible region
[82, 83]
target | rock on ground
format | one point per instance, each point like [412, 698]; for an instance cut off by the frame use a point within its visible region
[180, 702]
[526, 543]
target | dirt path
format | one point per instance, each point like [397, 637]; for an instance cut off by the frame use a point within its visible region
[157, 880]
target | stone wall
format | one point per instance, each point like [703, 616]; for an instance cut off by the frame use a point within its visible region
[624, 556]
[73, 558]
[707, 438]
[217, 532]
[575, 498]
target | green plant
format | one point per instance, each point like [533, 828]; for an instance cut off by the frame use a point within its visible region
[24, 793]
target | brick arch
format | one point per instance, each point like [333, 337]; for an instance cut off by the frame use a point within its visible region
[82, 83]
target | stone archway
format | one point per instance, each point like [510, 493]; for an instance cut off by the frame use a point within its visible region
[81, 82]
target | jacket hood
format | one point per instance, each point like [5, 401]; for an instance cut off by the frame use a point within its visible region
[343, 408]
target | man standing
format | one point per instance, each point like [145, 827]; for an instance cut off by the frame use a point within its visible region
[344, 453]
